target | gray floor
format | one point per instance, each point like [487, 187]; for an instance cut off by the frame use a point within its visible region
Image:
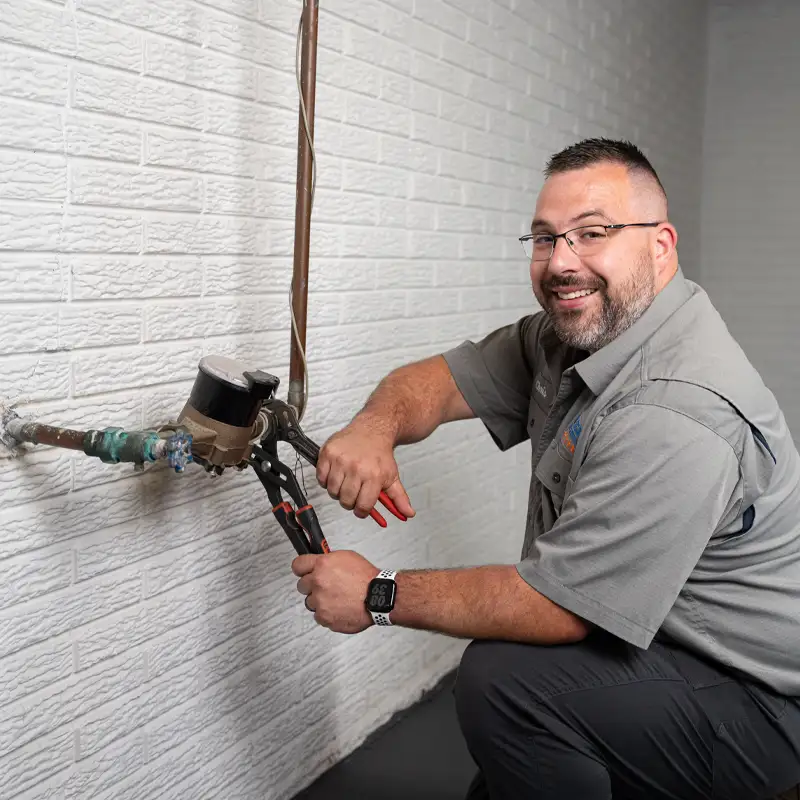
[419, 755]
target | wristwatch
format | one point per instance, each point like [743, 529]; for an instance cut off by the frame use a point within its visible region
[381, 595]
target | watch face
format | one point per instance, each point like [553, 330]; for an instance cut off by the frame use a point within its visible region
[381, 595]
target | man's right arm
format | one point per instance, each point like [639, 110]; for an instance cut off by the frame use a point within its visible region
[490, 379]
[413, 400]
[406, 407]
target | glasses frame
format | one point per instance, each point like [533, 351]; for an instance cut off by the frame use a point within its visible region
[557, 236]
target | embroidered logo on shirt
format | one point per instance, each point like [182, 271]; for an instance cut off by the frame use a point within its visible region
[571, 434]
[540, 388]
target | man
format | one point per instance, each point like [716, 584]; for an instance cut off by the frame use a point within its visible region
[647, 644]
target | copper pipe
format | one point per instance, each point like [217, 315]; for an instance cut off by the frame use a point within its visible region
[302, 219]
[111, 445]
[36, 433]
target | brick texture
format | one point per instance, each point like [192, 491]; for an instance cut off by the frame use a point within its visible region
[152, 645]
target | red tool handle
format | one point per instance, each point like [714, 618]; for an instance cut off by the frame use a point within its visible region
[386, 500]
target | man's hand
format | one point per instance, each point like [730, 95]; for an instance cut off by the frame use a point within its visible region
[356, 464]
[335, 585]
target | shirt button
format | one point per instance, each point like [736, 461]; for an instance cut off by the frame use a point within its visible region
[556, 478]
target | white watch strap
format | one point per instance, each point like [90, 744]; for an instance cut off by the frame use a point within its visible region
[378, 617]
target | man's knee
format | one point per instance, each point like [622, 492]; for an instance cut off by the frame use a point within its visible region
[502, 695]
[473, 680]
[500, 681]
[485, 693]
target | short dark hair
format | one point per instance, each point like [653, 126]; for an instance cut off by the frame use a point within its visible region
[597, 151]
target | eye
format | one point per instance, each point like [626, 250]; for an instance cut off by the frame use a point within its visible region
[592, 234]
[542, 238]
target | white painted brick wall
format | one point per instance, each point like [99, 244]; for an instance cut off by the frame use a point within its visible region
[750, 179]
[151, 641]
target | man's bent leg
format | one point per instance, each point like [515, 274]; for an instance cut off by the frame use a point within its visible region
[522, 750]
[601, 717]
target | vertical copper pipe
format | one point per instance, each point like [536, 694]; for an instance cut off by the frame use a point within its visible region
[302, 219]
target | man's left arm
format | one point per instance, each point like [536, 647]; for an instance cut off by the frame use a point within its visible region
[487, 602]
[491, 602]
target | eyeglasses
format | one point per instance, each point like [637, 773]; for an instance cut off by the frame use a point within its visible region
[584, 241]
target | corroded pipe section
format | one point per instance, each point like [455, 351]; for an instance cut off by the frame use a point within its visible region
[111, 445]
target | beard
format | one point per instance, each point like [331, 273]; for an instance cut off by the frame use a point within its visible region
[591, 328]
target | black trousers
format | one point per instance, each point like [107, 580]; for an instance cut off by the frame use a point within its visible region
[602, 719]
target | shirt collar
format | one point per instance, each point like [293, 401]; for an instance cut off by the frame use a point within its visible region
[600, 368]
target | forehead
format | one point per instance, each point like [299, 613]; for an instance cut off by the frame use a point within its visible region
[605, 187]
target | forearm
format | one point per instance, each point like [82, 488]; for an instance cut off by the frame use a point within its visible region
[412, 401]
[491, 602]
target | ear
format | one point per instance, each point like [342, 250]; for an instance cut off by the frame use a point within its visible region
[666, 243]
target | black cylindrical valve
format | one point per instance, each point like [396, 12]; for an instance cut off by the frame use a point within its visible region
[226, 391]
[222, 410]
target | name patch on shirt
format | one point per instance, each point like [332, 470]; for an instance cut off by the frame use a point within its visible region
[542, 390]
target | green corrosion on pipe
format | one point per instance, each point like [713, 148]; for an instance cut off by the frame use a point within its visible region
[111, 445]
[114, 445]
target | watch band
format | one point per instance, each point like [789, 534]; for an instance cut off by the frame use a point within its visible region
[378, 617]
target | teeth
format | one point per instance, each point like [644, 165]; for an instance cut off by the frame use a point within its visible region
[573, 295]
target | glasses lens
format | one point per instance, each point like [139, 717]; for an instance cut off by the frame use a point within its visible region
[587, 240]
[540, 247]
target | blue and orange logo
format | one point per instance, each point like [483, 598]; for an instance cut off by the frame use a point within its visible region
[571, 434]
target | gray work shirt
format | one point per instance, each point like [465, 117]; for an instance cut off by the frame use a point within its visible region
[664, 489]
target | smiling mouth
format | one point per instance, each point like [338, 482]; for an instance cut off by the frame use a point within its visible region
[573, 295]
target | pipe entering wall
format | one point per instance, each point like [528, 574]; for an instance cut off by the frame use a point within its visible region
[36, 433]
[304, 203]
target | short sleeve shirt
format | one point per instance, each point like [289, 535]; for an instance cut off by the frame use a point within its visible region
[665, 485]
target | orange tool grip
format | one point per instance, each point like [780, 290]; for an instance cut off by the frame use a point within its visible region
[376, 515]
[386, 500]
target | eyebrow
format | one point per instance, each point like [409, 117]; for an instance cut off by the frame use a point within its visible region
[592, 212]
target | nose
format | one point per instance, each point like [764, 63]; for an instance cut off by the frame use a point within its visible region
[563, 259]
